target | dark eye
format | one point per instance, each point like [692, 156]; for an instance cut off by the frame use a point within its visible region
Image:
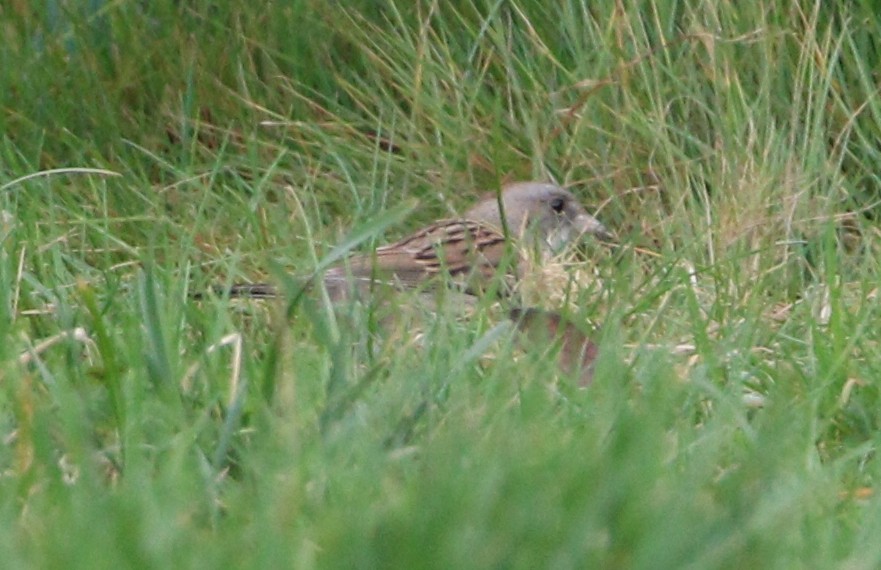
[557, 205]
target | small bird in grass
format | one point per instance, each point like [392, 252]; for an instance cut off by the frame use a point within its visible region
[471, 251]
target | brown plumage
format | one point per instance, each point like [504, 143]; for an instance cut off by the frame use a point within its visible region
[539, 327]
[465, 251]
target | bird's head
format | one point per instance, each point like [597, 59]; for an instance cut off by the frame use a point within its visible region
[540, 211]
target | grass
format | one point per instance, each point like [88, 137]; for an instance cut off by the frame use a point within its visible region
[150, 150]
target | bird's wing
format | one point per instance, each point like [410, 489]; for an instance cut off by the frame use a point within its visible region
[463, 249]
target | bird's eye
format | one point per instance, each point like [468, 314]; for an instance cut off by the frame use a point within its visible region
[557, 205]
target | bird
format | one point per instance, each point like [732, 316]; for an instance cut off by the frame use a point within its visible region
[473, 252]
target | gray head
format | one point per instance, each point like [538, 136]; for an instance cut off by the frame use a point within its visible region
[548, 212]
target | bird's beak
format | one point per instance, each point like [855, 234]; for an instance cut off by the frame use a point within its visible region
[587, 224]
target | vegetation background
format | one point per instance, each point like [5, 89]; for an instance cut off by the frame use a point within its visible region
[148, 149]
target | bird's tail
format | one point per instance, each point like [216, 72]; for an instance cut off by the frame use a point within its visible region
[242, 291]
[252, 291]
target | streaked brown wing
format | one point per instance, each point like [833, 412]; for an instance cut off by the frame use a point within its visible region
[469, 252]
